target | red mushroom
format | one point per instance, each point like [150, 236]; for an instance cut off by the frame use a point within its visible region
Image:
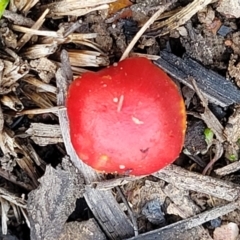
[128, 118]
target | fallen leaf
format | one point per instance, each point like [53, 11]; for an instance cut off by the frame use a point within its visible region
[118, 5]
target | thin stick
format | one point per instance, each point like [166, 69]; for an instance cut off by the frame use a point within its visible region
[143, 29]
[41, 110]
[130, 212]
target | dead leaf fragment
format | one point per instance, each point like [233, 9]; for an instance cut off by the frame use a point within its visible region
[118, 5]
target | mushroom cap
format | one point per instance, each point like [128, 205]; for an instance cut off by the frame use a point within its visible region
[128, 118]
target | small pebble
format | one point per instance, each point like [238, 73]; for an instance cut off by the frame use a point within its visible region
[229, 231]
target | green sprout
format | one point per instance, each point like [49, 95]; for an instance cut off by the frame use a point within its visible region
[208, 133]
[3, 5]
[232, 157]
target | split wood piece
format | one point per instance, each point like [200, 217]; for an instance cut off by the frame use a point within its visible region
[176, 230]
[182, 178]
[230, 168]
[214, 87]
[45, 134]
[108, 213]
[180, 18]
[104, 206]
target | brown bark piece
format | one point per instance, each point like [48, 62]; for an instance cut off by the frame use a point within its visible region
[50, 205]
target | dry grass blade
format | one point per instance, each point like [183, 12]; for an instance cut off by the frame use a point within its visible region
[81, 7]
[142, 30]
[32, 31]
[38, 98]
[40, 50]
[39, 84]
[12, 198]
[179, 18]
[26, 37]
[41, 111]
[86, 58]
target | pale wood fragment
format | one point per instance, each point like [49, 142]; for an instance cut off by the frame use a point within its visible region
[182, 178]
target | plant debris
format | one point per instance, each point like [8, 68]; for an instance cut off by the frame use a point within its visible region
[47, 44]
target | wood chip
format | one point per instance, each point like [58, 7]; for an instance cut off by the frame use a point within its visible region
[45, 134]
[230, 168]
[213, 86]
[182, 178]
[49, 210]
